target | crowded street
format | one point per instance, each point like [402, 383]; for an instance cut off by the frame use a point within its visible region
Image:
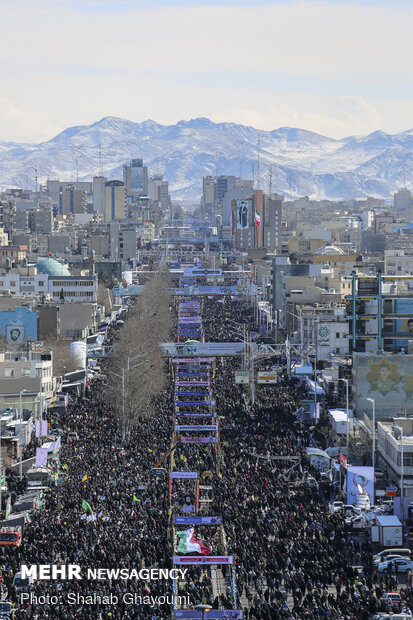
[280, 552]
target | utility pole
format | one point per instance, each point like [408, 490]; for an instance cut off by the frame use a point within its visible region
[315, 368]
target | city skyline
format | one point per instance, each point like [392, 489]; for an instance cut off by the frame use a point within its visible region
[335, 67]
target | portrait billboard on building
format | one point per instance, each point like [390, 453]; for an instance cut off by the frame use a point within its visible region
[388, 379]
[242, 214]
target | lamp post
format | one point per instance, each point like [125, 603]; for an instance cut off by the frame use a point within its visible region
[347, 429]
[373, 404]
[20, 434]
[401, 473]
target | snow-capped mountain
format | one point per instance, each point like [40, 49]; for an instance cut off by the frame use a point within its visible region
[297, 161]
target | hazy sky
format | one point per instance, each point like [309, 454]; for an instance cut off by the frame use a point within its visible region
[338, 67]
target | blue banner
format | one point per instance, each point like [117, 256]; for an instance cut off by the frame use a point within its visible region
[192, 374]
[178, 475]
[193, 403]
[207, 414]
[196, 427]
[188, 509]
[197, 520]
[193, 394]
[212, 614]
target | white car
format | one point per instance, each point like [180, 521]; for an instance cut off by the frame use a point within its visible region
[388, 558]
[336, 506]
[382, 555]
[403, 565]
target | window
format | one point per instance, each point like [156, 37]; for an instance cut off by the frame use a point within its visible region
[41, 282]
[25, 372]
[337, 334]
[12, 283]
[9, 372]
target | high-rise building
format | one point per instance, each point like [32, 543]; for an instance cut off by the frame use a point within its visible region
[99, 194]
[208, 191]
[403, 200]
[135, 177]
[55, 190]
[158, 191]
[73, 200]
[256, 222]
[123, 241]
[115, 208]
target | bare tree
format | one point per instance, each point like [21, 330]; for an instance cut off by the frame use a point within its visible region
[136, 373]
[105, 297]
[63, 362]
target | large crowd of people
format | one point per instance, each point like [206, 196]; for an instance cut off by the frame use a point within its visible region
[292, 555]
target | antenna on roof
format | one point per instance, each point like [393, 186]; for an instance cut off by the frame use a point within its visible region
[35, 176]
[100, 159]
[258, 162]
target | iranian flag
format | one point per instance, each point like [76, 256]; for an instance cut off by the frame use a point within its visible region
[189, 544]
[257, 217]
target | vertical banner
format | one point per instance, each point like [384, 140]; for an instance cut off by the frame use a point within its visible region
[41, 457]
[242, 214]
[197, 495]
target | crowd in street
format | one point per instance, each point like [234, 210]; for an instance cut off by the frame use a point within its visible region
[293, 558]
[288, 545]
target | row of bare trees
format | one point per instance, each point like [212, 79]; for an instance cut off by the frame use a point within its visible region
[136, 373]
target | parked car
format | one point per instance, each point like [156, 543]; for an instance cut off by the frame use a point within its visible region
[380, 557]
[403, 565]
[388, 558]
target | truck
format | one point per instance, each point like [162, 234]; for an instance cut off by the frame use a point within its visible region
[10, 535]
[390, 531]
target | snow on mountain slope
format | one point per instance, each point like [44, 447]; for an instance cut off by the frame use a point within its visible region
[302, 162]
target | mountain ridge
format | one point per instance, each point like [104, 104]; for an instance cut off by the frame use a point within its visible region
[302, 162]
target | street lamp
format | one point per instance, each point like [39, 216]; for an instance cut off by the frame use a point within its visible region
[20, 433]
[373, 404]
[203, 608]
[347, 433]
[401, 471]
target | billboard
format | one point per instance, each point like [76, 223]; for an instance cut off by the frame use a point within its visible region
[404, 325]
[203, 348]
[242, 214]
[359, 476]
[267, 377]
[388, 379]
[242, 377]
